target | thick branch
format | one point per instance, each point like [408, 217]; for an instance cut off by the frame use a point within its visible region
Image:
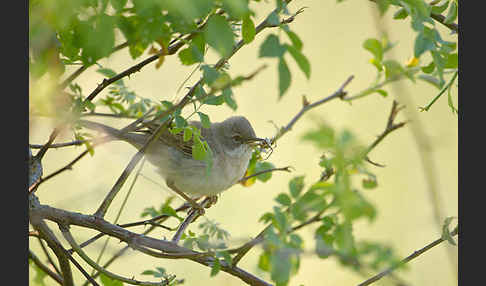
[54, 244]
[80, 252]
[167, 249]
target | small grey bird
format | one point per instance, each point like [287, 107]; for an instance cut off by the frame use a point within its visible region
[230, 142]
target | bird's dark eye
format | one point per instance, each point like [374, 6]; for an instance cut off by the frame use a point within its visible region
[237, 138]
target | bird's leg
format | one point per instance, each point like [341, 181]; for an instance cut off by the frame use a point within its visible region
[193, 203]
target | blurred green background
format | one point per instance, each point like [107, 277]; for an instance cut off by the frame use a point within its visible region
[333, 34]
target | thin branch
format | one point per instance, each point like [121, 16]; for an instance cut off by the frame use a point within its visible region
[415, 254]
[286, 169]
[440, 19]
[46, 146]
[44, 268]
[447, 86]
[340, 93]
[49, 258]
[55, 173]
[121, 208]
[188, 220]
[390, 126]
[59, 145]
[81, 269]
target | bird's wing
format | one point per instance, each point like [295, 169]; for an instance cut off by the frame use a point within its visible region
[174, 140]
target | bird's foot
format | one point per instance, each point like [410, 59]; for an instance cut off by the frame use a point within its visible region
[212, 201]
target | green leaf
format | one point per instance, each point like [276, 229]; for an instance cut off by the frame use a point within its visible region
[168, 210]
[205, 122]
[261, 166]
[301, 60]
[216, 267]
[118, 4]
[344, 238]
[210, 74]
[108, 281]
[446, 234]
[187, 134]
[273, 19]
[449, 100]
[392, 69]
[369, 183]
[186, 56]
[375, 47]
[280, 220]
[280, 267]
[423, 43]
[324, 247]
[323, 137]
[383, 6]
[284, 77]
[218, 34]
[107, 72]
[283, 199]
[428, 68]
[451, 14]
[97, 38]
[214, 100]
[452, 61]
[264, 261]
[296, 185]
[271, 48]
[248, 30]
[382, 92]
[236, 8]
[309, 201]
[400, 14]
[198, 150]
[438, 9]
[228, 98]
[294, 38]
[180, 121]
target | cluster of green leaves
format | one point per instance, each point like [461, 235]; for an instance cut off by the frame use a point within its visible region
[164, 209]
[161, 274]
[443, 56]
[333, 205]
[121, 100]
[273, 48]
[212, 240]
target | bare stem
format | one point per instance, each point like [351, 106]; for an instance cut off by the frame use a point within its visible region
[414, 255]
[340, 93]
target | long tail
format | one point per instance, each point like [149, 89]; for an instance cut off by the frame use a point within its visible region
[136, 140]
